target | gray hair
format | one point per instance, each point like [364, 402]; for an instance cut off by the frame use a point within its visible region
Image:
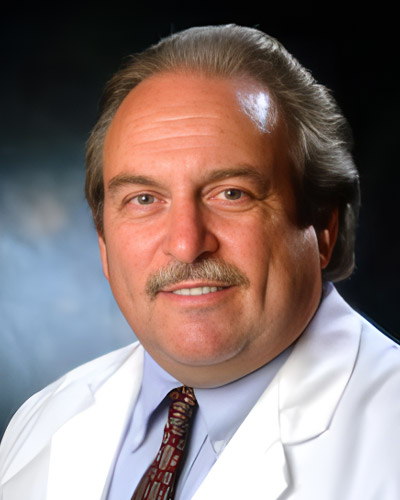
[325, 177]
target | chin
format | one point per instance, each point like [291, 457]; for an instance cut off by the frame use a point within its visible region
[203, 350]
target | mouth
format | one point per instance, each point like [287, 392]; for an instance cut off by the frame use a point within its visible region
[199, 290]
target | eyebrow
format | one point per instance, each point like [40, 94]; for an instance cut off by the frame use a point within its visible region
[122, 180]
[241, 171]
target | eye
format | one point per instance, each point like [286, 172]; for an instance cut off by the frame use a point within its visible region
[232, 194]
[144, 199]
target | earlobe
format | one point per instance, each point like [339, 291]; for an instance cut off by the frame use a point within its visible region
[103, 254]
[327, 238]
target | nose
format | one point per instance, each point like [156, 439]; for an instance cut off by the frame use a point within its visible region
[189, 236]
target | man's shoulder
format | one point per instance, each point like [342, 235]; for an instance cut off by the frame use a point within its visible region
[377, 370]
[346, 360]
[100, 368]
[378, 350]
[374, 381]
[68, 394]
[93, 373]
[339, 406]
[334, 308]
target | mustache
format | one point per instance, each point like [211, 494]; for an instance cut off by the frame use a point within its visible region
[215, 270]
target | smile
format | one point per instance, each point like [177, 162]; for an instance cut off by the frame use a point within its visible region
[201, 290]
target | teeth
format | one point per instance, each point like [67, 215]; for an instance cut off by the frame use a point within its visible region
[201, 290]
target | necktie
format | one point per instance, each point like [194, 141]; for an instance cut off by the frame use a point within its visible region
[158, 482]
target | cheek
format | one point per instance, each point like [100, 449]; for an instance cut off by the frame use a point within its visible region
[248, 241]
[302, 269]
[129, 247]
[293, 261]
[306, 250]
[125, 263]
[293, 287]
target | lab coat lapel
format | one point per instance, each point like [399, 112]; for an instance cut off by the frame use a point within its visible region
[253, 464]
[315, 376]
[84, 449]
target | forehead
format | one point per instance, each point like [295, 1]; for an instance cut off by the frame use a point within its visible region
[184, 116]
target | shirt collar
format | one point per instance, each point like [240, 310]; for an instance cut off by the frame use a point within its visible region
[222, 409]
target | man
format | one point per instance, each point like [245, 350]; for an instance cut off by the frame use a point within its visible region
[225, 199]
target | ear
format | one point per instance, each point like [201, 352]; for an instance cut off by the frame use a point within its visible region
[327, 238]
[103, 254]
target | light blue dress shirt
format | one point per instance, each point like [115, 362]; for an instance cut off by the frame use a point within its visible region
[220, 412]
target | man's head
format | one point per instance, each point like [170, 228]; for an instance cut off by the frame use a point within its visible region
[226, 175]
[320, 139]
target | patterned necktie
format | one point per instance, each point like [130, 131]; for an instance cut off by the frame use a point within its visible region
[158, 482]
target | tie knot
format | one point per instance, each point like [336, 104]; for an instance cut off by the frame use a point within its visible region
[183, 394]
[181, 410]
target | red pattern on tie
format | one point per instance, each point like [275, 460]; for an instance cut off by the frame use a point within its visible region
[158, 482]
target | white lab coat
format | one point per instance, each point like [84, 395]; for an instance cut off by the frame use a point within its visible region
[326, 428]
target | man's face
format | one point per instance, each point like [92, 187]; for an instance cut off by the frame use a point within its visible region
[196, 170]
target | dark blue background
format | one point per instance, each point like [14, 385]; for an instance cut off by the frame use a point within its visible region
[55, 307]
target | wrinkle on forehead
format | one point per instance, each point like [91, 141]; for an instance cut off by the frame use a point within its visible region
[174, 112]
[177, 132]
[167, 127]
